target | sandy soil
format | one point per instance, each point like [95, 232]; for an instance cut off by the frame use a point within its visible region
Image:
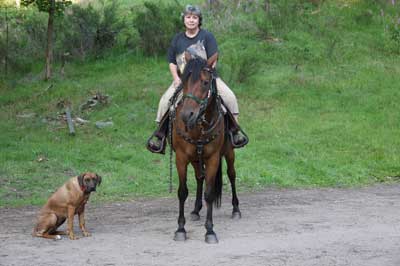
[320, 227]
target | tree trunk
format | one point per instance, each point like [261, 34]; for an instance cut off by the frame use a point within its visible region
[50, 30]
[6, 57]
[18, 3]
[237, 4]
[267, 6]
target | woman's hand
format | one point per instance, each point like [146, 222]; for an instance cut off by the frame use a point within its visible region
[177, 82]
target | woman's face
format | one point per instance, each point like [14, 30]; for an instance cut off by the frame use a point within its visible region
[191, 21]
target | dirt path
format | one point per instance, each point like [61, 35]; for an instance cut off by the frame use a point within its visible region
[279, 227]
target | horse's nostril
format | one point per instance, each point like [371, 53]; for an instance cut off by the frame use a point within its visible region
[190, 115]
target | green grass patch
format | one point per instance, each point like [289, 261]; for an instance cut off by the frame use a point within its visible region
[319, 113]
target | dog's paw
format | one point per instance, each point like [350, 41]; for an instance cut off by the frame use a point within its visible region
[72, 237]
[57, 237]
[86, 234]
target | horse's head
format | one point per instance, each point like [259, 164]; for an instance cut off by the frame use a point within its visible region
[197, 81]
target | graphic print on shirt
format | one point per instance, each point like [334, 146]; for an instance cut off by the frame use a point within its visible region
[197, 50]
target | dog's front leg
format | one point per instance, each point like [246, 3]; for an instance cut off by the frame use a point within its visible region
[82, 223]
[70, 227]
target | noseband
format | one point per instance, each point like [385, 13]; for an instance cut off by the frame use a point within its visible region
[212, 91]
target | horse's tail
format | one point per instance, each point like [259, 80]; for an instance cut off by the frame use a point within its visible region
[218, 185]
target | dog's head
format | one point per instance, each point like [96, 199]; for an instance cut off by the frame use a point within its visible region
[89, 181]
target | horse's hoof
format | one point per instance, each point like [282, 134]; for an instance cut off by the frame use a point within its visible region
[211, 239]
[236, 215]
[180, 236]
[194, 216]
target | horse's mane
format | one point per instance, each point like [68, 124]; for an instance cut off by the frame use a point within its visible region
[193, 68]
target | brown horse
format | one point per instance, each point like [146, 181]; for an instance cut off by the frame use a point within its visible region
[199, 138]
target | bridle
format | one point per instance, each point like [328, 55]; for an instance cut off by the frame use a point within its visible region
[203, 102]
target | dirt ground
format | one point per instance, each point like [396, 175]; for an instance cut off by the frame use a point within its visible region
[320, 227]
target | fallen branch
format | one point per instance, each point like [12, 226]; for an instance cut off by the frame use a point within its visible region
[69, 120]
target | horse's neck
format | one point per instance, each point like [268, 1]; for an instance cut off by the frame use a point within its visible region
[212, 111]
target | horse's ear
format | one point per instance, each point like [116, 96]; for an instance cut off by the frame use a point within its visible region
[188, 56]
[212, 61]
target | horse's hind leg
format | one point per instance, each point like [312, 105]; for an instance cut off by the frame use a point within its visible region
[181, 165]
[195, 216]
[230, 161]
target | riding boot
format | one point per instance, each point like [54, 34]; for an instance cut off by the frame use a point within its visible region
[236, 134]
[156, 142]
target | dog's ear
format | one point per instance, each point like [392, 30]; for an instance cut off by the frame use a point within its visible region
[98, 179]
[80, 180]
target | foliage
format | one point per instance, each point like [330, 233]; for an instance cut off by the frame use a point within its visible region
[156, 24]
[45, 5]
[77, 32]
[392, 28]
[26, 39]
[108, 28]
[89, 30]
[239, 60]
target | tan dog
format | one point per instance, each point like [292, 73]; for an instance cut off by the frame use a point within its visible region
[68, 200]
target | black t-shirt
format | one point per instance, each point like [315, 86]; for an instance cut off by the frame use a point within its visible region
[204, 43]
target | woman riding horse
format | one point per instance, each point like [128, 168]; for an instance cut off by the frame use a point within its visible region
[202, 43]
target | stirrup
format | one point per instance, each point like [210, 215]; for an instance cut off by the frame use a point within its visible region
[246, 139]
[152, 148]
[160, 133]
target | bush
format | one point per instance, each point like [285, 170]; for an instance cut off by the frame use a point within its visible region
[108, 28]
[156, 25]
[77, 31]
[26, 38]
[240, 60]
[89, 31]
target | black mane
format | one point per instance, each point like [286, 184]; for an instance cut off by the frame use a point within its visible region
[193, 68]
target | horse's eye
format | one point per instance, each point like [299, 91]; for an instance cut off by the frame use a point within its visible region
[205, 82]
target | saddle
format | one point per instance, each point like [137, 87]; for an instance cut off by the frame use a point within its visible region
[232, 129]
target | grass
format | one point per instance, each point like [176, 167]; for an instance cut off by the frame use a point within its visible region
[313, 120]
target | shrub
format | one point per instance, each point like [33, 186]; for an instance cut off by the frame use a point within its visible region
[156, 24]
[77, 31]
[88, 30]
[240, 60]
[25, 41]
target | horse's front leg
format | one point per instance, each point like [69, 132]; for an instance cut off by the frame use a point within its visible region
[181, 166]
[195, 216]
[210, 195]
